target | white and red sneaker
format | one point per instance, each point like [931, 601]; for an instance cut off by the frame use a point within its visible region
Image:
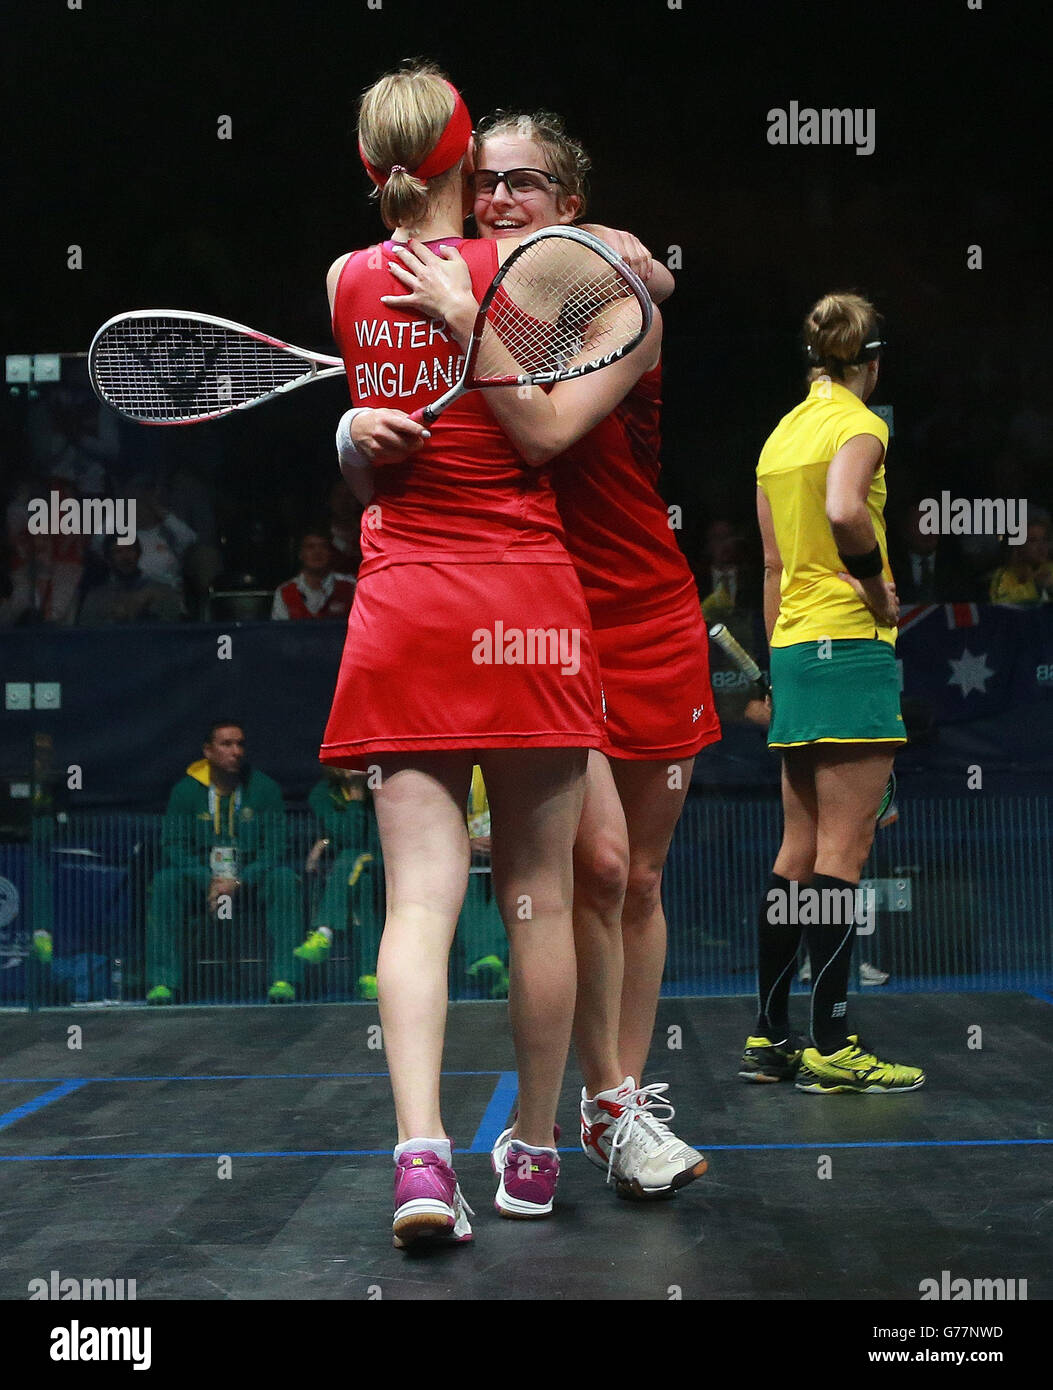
[622, 1133]
[598, 1119]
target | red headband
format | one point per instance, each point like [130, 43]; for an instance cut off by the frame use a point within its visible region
[453, 142]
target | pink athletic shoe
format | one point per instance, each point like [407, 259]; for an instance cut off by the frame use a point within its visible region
[528, 1178]
[428, 1201]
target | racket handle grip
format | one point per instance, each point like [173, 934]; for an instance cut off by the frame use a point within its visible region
[723, 638]
[423, 416]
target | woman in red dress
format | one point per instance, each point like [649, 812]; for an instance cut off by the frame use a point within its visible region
[463, 568]
[651, 644]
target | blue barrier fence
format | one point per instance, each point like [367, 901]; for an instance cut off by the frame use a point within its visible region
[92, 910]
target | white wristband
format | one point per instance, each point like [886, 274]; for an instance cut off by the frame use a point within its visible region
[345, 448]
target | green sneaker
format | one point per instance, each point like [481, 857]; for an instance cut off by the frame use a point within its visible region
[315, 949]
[367, 986]
[491, 973]
[854, 1069]
[281, 992]
[42, 947]
[160, 994]
[766, 1062]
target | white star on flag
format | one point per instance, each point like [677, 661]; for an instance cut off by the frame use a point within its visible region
[971, 672]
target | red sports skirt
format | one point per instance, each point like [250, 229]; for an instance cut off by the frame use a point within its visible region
[656, 685]
[462, 655]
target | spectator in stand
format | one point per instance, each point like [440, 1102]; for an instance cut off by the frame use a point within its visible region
[1026, 578]
[44, 570]
[127, 595]
[163, 537]
[191, 502]
[345, 513]
[224, 833]
[481, 929]
[1031, 426]
[73, 439]
[732, 585]
[317, 591]
[928, 568]
[344, 808]
[734, 600]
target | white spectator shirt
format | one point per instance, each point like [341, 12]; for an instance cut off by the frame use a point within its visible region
[163, 548]
[314, 599]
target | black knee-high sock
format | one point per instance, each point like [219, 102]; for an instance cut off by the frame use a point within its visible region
[829, 945]
[777, 943]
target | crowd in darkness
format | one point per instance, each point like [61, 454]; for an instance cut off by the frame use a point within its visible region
[222, 533]
[201, 548]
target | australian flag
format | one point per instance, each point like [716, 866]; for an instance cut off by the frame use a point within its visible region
[970, 661]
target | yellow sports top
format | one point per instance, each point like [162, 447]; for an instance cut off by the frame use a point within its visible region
[792, 471]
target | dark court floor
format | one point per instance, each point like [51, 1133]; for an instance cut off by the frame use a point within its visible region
[110, 1158]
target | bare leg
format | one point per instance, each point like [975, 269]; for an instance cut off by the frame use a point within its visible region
[849, 783]
[796, 857]
[535, 806]
[601, 869]
[420, 807]
[653, 795]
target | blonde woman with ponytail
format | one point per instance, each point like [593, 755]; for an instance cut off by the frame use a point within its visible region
[831, 613]
[462, 545]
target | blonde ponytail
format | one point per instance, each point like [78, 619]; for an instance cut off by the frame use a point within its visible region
[400, 120]
[835, 331]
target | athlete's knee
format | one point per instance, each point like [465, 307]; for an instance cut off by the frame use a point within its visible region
[796, 863]
[601, 872]
[536, 903]
[643, 891]
[848, 848]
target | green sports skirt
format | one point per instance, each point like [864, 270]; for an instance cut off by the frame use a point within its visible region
[835, 690]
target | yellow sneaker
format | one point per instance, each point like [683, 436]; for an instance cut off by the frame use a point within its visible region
[854, 1069]
[767, 1062]
[315, 949]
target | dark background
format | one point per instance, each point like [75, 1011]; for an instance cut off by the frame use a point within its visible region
[111, 140]
[113, 134]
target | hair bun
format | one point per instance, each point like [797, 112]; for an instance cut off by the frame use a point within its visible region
[836, 328]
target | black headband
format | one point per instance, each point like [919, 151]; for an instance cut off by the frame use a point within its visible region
[867, 353]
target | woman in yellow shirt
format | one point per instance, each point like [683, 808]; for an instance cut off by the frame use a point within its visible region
[831, 612]
[1027, 576]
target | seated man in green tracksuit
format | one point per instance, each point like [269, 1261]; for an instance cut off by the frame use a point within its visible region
[482, 933]
[224, 831]
[344, 809]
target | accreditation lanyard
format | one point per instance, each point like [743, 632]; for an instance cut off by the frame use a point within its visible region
[233, 807]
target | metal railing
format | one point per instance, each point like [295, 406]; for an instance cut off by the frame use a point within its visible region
[963, 892]
[110, 907]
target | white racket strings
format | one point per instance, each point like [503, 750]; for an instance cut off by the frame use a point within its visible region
[559, 305]
[163, 369]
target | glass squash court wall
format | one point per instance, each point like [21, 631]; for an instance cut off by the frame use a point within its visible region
[103, 907]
